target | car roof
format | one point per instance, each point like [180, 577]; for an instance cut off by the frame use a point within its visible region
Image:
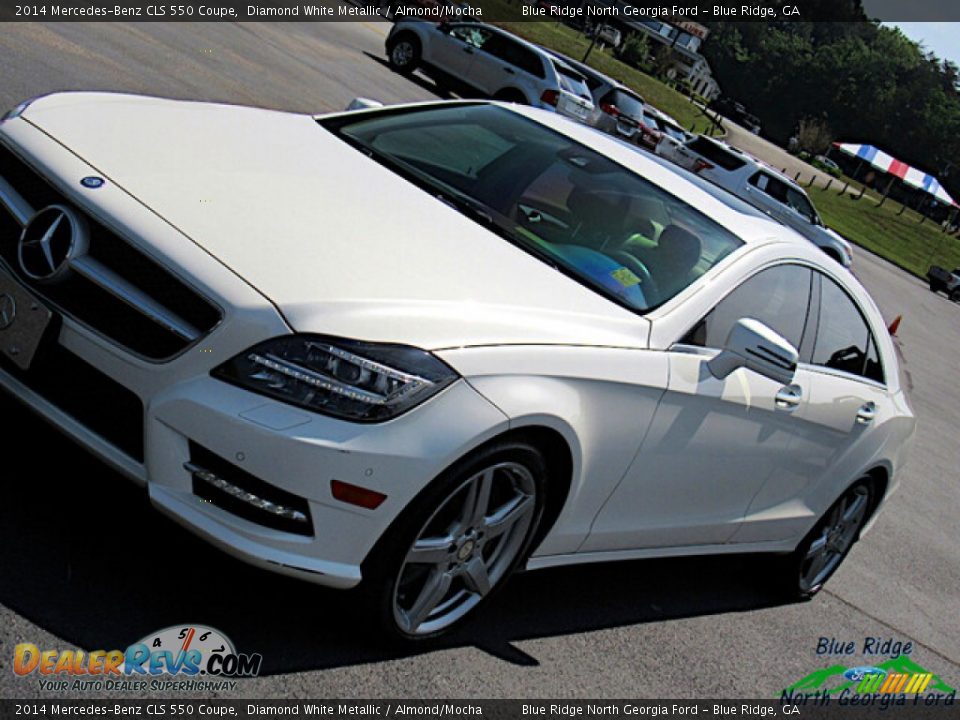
[755, 162]
[590, 72]
[539, 49]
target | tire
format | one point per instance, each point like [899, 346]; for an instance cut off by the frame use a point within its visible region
[955, 295]
[404, 53]
[511, 96]
[444, 556]
[825, 547]
[933, 286]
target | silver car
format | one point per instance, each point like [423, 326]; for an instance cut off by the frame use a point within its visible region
[760, 185]
[491, 62]
[618, 110]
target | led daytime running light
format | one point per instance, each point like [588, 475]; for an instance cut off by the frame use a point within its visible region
[315, 379]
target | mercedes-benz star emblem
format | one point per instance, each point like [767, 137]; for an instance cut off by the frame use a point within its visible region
[50, 241]
[8, 311]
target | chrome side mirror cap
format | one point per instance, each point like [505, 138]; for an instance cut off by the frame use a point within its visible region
[753, 345]
[362, 103]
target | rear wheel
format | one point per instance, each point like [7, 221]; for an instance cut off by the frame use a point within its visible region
[955, 295]
[824, 548]
[458, 543]
[404, 53]
[511, 96]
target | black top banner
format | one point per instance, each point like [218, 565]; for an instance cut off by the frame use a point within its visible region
[576, 11]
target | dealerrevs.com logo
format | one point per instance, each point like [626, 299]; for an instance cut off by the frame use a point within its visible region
[174, 658]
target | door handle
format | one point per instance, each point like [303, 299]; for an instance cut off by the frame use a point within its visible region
[509, 71]
[788, 398]
[866, 413]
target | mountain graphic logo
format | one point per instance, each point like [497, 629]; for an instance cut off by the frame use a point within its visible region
[896, 675]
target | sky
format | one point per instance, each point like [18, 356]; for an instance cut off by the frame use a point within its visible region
[943, 38]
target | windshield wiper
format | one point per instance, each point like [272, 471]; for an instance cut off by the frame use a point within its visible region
[465, 204]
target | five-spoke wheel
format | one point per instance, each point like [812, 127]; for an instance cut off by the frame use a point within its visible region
[461, 540]
[825, 547]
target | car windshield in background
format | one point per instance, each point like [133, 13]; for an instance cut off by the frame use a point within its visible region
[651, 121]
[673, 130]
[586, 215]
[628, 104]
[716, 153]
[572, 81]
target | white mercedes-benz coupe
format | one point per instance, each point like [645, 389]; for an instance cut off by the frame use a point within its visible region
[416, 348]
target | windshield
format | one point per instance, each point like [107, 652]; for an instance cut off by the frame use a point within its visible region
[572, 81]
[673, 131]
[582, 213]
[627, 103]
[651, 121]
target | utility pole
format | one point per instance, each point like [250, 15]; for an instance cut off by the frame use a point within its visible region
[593, 41]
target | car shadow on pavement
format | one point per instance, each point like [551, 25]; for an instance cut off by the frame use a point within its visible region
[417, 79]
[85, 557]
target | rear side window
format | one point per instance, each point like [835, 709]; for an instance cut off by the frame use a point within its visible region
[783, 193]
[471, 35]
[779, 297]
[844, 341]
[515, 54]
[716, 154]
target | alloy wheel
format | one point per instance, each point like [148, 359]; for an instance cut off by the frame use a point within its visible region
[836, 535]
[402, 54]
[465, 549]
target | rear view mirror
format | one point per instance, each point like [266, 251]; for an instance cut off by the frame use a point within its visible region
[362, 103]
[753, 345]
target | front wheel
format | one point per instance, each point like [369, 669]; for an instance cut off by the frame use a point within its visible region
[824, 548]
[458, 542]
[405, 54]
[955, 295]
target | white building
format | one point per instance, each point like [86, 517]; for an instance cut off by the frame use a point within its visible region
[684, 38]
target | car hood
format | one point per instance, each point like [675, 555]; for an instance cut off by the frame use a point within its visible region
[338, 243]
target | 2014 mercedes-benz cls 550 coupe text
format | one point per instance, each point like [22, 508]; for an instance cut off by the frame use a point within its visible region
[415, 348]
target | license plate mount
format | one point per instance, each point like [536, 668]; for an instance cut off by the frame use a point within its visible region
[24, 320]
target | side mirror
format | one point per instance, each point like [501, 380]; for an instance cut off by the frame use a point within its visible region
[362, 103]
[753, 345]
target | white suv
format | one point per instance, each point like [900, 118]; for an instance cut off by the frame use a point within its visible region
[761, 186]
[489, 61]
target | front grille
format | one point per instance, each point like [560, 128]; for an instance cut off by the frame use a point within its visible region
[245, 495]
[87, 395]
[125, 295]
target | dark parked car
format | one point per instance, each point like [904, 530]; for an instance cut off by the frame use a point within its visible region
[737, 112]
[942, 279]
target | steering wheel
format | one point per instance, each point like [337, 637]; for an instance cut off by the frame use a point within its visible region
[649, 286]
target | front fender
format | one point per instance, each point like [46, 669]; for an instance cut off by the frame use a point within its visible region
[601, 400]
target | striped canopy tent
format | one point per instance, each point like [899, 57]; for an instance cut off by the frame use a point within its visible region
[888, 164]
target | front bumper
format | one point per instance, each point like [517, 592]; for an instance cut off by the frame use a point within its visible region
[294, 451]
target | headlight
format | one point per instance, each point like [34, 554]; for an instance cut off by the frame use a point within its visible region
[363, 382]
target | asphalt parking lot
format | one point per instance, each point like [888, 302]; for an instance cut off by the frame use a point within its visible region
[85, 561]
